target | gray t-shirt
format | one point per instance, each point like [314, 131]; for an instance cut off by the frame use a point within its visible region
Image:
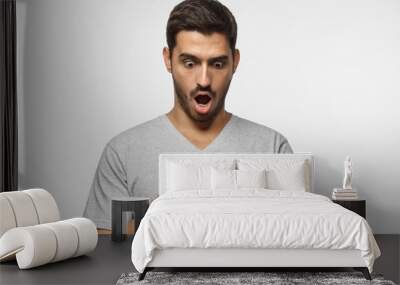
[129, 163]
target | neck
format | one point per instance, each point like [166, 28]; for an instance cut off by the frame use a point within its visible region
[183, 122]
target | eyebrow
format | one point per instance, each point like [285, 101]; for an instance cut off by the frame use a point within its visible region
[188, 55]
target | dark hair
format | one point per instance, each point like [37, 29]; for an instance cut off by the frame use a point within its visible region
[204, 16]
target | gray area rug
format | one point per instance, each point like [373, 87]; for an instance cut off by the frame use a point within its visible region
[228, 278]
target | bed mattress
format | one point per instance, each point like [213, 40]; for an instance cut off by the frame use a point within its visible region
[250, 219]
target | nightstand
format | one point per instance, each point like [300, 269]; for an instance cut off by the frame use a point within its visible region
[119, 206]
[357, 206]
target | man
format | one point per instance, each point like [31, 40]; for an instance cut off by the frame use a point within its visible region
[202, 58]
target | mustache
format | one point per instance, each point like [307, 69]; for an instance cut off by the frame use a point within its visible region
[203, 90]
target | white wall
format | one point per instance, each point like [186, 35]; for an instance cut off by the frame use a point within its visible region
[324, 73]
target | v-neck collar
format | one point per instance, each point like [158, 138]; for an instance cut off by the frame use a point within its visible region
[185, 140]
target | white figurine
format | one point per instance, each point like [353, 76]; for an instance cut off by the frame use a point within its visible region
[347, 173]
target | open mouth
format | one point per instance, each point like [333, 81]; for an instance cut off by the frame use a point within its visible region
[202, 99]
[202, 103]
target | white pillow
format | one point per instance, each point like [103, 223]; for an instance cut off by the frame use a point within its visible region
[186, 174]
[184, 177]
[237, 179]
[251, 178]
[282, 174]
[223, 179]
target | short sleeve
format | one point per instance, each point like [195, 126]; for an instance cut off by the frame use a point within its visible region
[109, 182]
[284, 146]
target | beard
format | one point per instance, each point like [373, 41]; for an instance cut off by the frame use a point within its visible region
[184, 102]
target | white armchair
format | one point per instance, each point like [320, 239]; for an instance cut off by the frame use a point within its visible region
[31, 230]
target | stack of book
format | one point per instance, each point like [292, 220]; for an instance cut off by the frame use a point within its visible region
[344, 194]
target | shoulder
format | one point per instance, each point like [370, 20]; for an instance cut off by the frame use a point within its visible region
[262, 135]
[258, 129]
[135, 134]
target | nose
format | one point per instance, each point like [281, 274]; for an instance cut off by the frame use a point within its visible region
[204, 79]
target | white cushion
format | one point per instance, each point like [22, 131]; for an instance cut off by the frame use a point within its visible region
[27, 208]
[67, 237]
[45, 205]
[87, 233]
[32, 246]
[184, 174]
[223, 179]
[41, 244]
[226, 179]
[251, 178]
[7, 220]
[23, 208]
[282, 174]
[187, 177]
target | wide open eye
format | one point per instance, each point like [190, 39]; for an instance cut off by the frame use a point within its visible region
[219, 65]
[188, 63]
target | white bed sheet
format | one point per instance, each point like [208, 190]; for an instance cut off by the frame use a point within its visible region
[250, 218]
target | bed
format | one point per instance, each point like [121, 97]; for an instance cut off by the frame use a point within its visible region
[244, 211]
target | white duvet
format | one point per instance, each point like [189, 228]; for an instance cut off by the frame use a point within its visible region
[251, 218]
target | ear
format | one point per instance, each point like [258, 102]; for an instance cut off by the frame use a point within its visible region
[236, 59]
[167, 60]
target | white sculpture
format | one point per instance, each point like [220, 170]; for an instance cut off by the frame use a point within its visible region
[347, 173]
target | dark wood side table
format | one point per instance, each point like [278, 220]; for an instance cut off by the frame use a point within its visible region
[135, 205]
[357, 206]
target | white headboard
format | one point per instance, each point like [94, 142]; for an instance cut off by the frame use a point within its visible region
[165, 157]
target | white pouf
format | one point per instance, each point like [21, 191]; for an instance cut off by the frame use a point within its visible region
[41, 244]
[31, 233]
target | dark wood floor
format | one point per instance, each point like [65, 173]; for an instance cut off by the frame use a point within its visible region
[110, 260]
[389, 262]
